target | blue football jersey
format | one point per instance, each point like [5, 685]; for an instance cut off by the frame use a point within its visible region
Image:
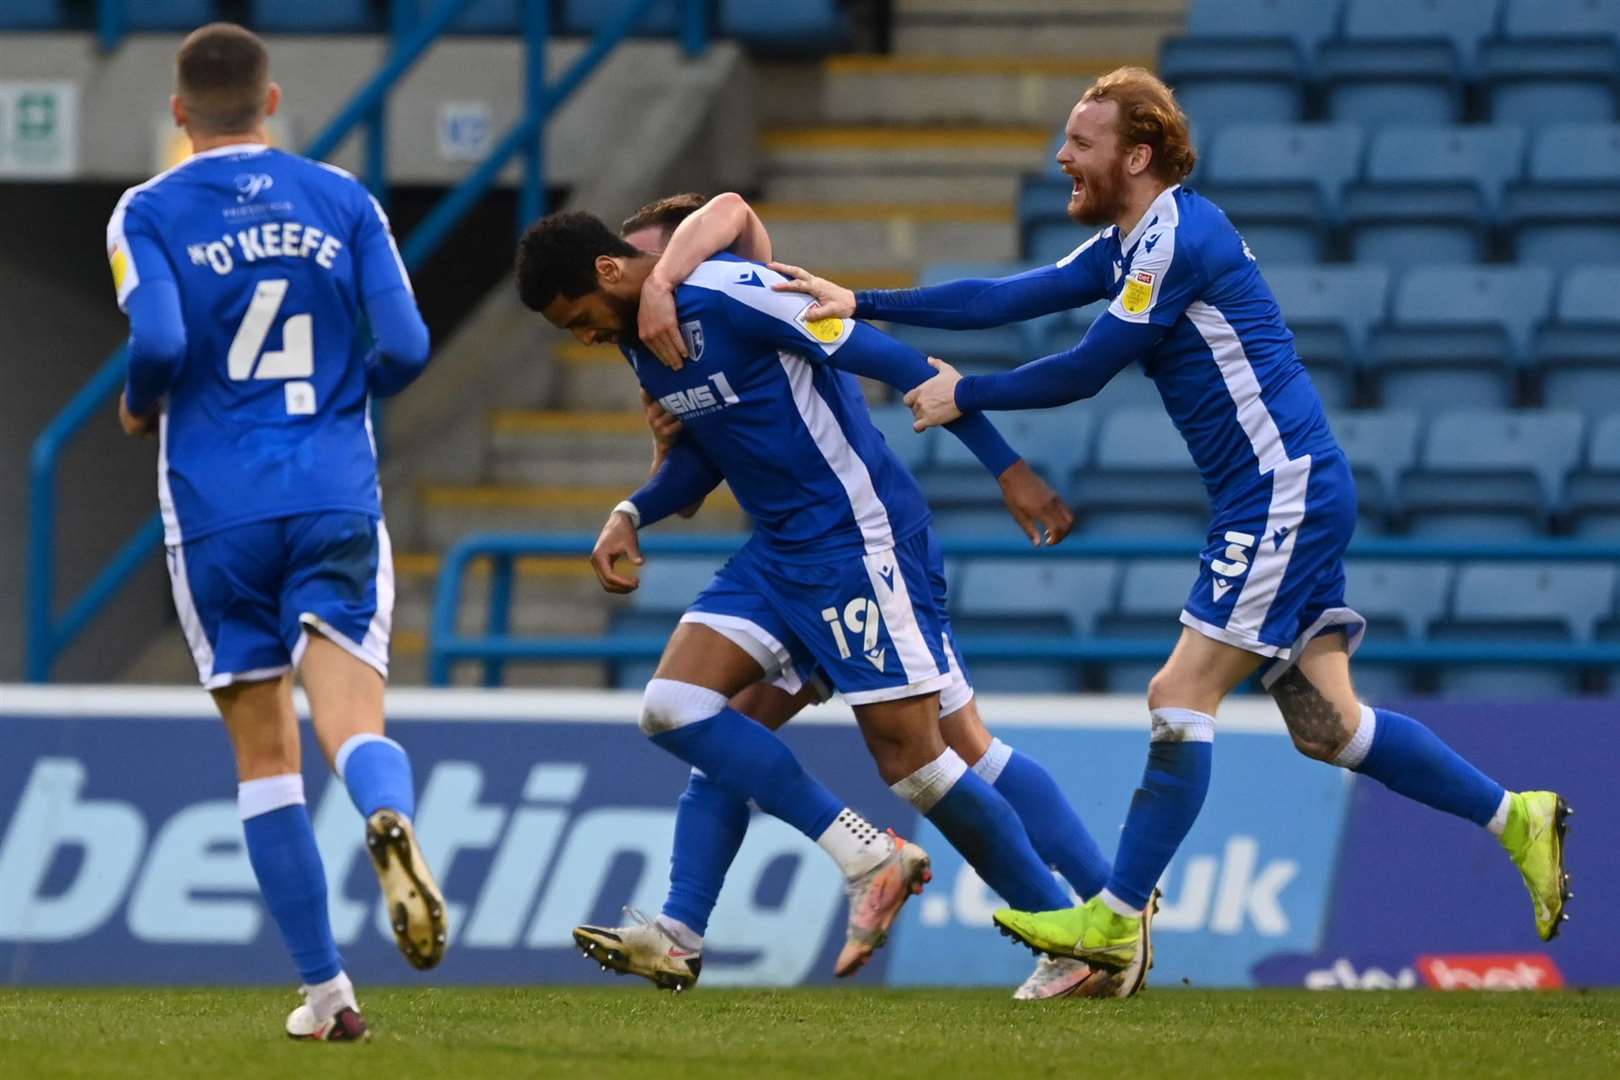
[1227, 368]
[791, 435]
[273, 256]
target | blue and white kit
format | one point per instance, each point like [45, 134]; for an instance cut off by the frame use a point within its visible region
[842, 575]
[245, 272]
[1188, 301]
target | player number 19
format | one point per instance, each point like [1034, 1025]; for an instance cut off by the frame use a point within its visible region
[294, 360]
[861, 617]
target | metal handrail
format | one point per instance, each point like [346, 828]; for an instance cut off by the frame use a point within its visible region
[48, 637]
[447, 647]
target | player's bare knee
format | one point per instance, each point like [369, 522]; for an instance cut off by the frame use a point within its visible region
[668, 705]
[1317, 726]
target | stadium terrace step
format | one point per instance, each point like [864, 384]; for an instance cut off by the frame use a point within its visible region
[546, 448]
[977, 90]
[594, 377]
[450, 513]
[1049, 27]
[997, 149]
[889, 235]
[999, 187]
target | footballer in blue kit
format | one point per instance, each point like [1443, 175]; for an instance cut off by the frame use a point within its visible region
[245, 272]
[1188, 303]
[842, 574]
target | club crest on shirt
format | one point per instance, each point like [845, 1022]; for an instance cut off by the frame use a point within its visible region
[1137, 295]
[692, 332]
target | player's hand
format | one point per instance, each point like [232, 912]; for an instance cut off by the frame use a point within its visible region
[617, 540]
[658, 326]
[934, 402]
[132, 424]
[1034, 505]
[665, 427]
[832, 300]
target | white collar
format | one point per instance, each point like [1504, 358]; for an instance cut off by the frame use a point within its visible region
[229, 149]
[1154, 212]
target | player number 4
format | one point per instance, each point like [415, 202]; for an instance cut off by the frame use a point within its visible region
[295, 359]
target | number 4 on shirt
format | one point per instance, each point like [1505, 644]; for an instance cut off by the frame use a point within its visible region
[294, 360]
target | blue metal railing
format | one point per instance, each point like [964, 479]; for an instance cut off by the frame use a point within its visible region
[496, 645]
[48, 636]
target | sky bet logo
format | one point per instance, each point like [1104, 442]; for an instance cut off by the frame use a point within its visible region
[519, 871]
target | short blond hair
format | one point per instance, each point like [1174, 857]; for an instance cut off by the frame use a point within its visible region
[1148, 116]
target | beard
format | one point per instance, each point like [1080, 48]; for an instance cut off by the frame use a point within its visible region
[1101, 196]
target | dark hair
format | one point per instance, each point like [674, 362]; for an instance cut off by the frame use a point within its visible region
[222, 73]
[557, 256]
[665, 213]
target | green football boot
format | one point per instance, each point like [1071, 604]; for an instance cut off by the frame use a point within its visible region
[1534, 836]
[1092, 932]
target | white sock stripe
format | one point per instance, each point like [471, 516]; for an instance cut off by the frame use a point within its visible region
[355, 742]
[668, 704]
[1499, 819]
[1118, 906]
[256, 797]
[995, 759]
[1355, 751]
[1182, 725]
[929, 784]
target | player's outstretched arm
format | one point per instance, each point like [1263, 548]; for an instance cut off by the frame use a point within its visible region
[724, 223]
[968, 304]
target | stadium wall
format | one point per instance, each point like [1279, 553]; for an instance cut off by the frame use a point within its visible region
[121, 860]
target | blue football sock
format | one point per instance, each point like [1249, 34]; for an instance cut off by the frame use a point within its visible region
[983, 826]
[1061, 839]
[377, 773]
[281, 849]
[1411, 760]
[697, 726]
[1165, 806]
[710, 822]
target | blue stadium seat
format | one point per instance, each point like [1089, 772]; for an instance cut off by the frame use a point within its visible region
[1592, 494]
[914, 450]
[784, 26]
[1382, 446]
[1527, 81]
[1458, 335]
[997, 346]
[1049, 241]
[590, 16]
[1142, 480]
[1399, 600]
[1331, 310]
[169, 14]
[1221, 81]
[1152, 593]
[1430, 193]
[1305, 23]
[1491, 474]
[1577, 355]
[33, 14]
[1050, 598]
[1511, 602]
[1569, 211]
[1400, 61]
[1562, 19]
[670, 582]
[1054, 442]
[317, 16]
[1281, 184]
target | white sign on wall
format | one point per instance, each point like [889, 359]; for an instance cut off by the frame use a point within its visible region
[465, 130]
[39, 128]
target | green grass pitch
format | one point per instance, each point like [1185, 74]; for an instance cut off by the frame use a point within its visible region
[854, 1032]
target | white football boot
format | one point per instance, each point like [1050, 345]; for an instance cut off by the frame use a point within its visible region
[1054, 977]
[642, 948]
[875, 900]
[329, 1014]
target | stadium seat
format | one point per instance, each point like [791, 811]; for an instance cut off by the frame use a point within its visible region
[1382, 447]
[169, 14]
[1305, 23]
[1152, 593]
[670, 582]
[1221, 81]
[1457, 336]
[1592, 494]
[317, 16]
[1576, 356]
[1143, 480]
[1491, 474]
[1564, 20]
[1049, 241]
[1430, 193]
[1568, 212]
[1054, 442]
[1400, 61]
[1520, 602]
[32, 14]
[1048, 599]
[1527, 81]
[998, 346]
[1331, 310]
[1281, 184]
[914, 450]
[591, 16]
[783, 26]
[1399, 600]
